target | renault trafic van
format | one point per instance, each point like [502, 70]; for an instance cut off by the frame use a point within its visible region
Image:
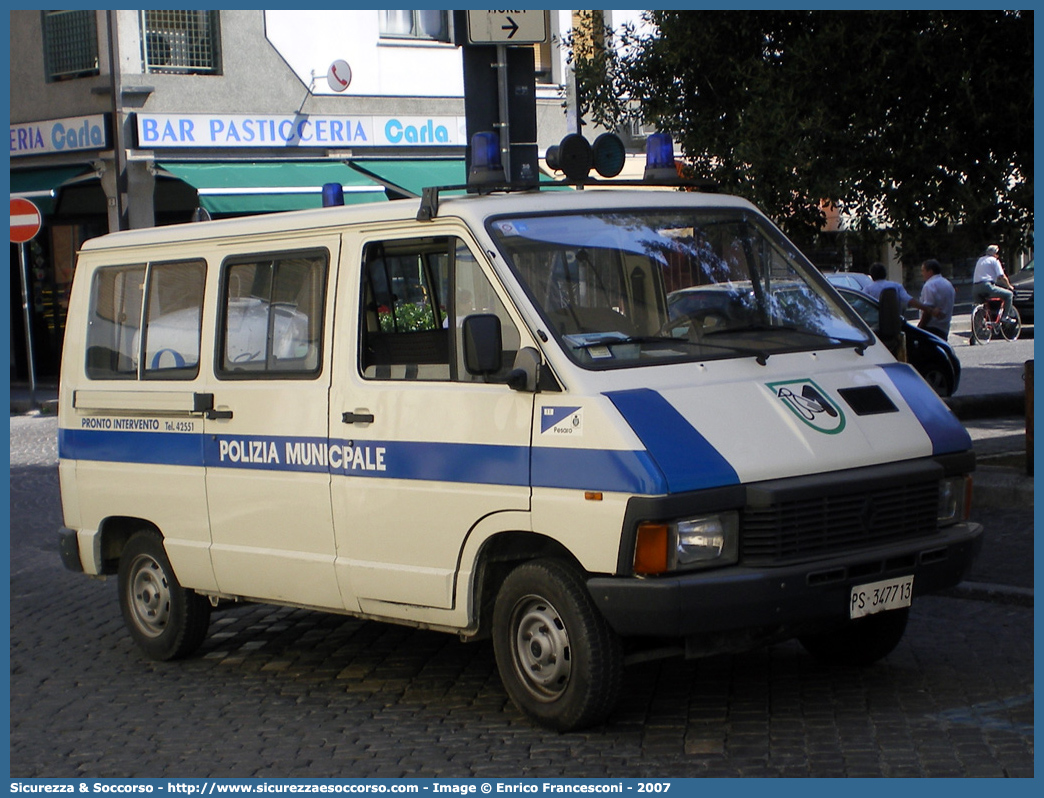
[593, 426]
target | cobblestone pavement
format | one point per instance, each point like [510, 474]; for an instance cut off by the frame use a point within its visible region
[279, 692]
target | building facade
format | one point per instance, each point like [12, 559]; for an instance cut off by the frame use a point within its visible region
[126, 119]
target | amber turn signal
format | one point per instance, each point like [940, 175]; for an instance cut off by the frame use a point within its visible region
[650, 549]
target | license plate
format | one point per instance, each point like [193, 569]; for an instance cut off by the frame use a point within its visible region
[888, 594]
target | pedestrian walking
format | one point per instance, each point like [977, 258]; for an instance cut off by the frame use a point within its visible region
[938, 293]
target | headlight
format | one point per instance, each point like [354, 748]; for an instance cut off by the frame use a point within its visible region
[954, 499]
[702, 541]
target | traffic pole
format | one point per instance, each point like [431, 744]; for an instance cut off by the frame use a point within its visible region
[23, 259]
[26, 221]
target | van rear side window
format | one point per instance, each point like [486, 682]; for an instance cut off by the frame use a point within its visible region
[163, 342]
[272, 315]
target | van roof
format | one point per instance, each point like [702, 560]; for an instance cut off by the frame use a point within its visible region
[472, 208]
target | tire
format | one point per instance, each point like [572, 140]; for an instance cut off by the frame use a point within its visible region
[939, 378]
[560, 662]
[1011, 327]
[165, 620]
[980, 326]
[859, 642]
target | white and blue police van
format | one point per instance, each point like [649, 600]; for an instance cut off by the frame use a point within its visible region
[594, 426]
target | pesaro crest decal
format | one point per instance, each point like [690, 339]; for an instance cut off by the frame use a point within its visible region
[811, 404]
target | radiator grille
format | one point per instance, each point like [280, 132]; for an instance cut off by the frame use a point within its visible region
[799, 528]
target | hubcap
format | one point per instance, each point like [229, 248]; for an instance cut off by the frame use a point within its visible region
[149, 596]
[542, 653]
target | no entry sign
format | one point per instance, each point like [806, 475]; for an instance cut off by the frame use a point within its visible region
[25, 221]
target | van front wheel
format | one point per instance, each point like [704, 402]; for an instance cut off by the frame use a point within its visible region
[559, 660]
[166, 620]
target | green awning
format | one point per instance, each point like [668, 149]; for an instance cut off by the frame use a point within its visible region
[241, 188]
[409, 177]
[41, 186]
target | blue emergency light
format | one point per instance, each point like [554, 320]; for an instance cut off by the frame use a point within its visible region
[659, 157]
[333, 194]
[486, 166]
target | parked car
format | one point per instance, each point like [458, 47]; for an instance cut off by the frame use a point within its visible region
[857, 281]
[933, 357]
[1022, 282]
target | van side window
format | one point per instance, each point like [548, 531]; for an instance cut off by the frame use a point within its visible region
[272, 312]
[114, 322]
[167, 347]
[172, 323]
[416, 295]
[474, 294]
[404, 328]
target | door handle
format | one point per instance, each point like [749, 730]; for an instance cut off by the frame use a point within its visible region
[204, 403]
[357, 418]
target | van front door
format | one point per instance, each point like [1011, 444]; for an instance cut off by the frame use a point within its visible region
[268, 481]
[426, 450]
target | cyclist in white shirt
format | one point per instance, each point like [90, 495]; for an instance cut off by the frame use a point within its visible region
[988, 274]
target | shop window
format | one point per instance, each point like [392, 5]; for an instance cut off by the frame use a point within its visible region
[180, 42]
[172, 294]
[426, 24]
[70, 44]
[272, 316]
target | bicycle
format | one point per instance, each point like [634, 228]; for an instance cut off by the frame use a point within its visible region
[987, 321]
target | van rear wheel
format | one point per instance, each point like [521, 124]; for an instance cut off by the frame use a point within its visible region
[559, 660]
[859, 642]
[166, 620]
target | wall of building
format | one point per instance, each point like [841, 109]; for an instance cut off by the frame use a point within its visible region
[272, 63]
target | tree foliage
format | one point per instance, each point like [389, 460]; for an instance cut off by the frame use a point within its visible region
[905, 120]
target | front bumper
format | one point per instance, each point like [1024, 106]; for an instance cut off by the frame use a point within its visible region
[740, 598]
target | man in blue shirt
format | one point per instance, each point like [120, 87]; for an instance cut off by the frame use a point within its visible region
[878, 273]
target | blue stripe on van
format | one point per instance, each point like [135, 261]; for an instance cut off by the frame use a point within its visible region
[946, 433]
[146, 448]
[481, 464]
[598, 470]
[685, 457]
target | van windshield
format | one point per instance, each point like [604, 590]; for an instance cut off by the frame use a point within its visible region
[621, 288]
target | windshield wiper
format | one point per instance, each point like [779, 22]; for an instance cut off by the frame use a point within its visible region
[859, 345]
[611, 340]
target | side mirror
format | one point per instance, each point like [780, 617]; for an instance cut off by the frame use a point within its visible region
[482, 344]
[890, 319]
[525, 374]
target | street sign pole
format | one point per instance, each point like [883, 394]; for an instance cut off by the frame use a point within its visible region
[499, 84]
[505, 116]
[24, 264]
[26, 221]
